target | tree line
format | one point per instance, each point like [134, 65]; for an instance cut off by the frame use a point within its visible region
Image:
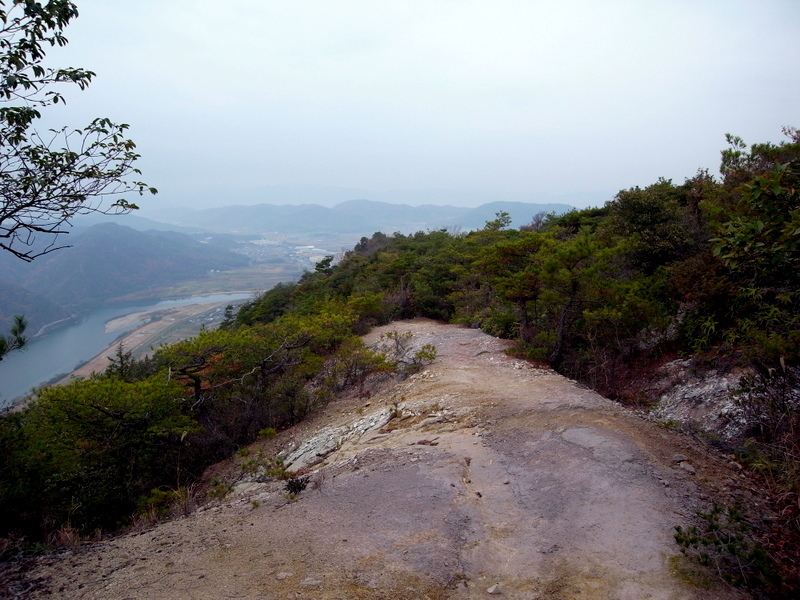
[707, 268]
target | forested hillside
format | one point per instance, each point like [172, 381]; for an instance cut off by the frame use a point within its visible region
[106, 261]
[705, 268]
[110, 260]
[38, 311]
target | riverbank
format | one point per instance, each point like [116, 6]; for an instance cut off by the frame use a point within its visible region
[55, 324]
[159, 326]
[83, 347]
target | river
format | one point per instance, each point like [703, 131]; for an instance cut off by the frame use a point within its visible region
[61, 351]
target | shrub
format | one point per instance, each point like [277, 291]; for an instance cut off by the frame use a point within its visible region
[295, 485]
[724, 542]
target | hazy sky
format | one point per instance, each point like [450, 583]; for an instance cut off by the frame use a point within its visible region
[511, 99]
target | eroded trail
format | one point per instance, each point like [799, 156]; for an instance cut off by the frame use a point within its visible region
[479, 476]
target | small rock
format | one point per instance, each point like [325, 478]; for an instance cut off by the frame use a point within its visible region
[495, 589]
[688, 468]
[311, 581]
[430, 420]
[283, 575]
[679, 458]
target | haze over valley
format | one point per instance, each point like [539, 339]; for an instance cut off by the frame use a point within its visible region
[131, 262]
[232, 249]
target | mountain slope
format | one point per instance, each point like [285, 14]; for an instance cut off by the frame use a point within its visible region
[109, 260]
[481, 475]
[37, 310]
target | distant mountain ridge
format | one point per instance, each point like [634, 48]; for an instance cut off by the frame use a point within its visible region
[353, 216]
[330, 196]
[109, 260]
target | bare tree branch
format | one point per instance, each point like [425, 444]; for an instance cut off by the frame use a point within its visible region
[47, 179]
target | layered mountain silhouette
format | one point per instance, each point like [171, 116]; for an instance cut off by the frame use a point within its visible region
[353, 216]
[131, 254]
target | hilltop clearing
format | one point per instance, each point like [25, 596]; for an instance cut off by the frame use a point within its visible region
[480, 475]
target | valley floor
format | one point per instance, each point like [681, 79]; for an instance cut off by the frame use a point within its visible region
[161, 326]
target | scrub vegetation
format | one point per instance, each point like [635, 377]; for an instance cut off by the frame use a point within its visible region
[706, 268]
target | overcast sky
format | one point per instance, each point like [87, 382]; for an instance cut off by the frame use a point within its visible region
[507, 99]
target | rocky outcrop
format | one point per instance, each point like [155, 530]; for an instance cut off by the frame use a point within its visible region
[698, 399]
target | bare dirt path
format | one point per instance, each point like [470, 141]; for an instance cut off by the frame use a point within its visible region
[482, 475]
